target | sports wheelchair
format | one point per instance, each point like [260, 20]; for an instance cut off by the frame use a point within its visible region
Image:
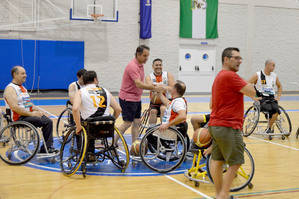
[200, 170]
[64, 122]
[252, 121]
[161, 151]
[73, 151]
[20, 141]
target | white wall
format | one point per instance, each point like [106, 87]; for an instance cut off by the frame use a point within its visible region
[261, 29]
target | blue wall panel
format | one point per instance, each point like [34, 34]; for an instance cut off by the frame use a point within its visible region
[49, 64]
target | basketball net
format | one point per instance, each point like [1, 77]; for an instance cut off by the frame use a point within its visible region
[97, 17]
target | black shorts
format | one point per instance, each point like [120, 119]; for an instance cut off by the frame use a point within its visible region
[156, 107]
[269, 106]
[183, 128]
[130, 110]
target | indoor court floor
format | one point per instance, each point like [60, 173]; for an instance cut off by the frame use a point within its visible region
[276, 168]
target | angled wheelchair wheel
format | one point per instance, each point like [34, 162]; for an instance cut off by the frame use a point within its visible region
[72, 151]
[118, 154]
[19, 142]
[283, 122]
[251, 119]
[244, 174]
[144, 121]
[163, 151]
[64, 122]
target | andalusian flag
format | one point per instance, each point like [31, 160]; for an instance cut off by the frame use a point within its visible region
[198, 19]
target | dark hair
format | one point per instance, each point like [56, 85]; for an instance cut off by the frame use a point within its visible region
[180, 87]
[140, 49]
[157, 59]
[14, 70]
[88, 77]
[228, 52]
[81, 72]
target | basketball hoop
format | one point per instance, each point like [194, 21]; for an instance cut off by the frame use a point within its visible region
[97, 17]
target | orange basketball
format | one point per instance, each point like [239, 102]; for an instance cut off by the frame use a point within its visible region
[155, 99]
[135, 148]
[202, 137]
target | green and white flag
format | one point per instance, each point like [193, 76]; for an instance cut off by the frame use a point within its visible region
[198, 19]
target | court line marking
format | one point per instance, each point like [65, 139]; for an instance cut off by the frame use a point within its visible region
[188, 187]
[282, 145]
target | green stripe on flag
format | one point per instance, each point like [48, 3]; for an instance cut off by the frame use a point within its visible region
[211, 19]
[185, 19]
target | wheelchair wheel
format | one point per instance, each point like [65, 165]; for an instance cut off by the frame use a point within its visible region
[163, 151]
[244, 174]
[251, 119]
[72, 151]
[64, 123]
[283, 122]
[19, 142]
[144, 121]
[119, 155]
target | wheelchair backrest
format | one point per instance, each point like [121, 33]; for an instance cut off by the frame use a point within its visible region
[99, 127]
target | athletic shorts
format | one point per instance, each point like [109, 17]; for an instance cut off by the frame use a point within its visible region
[227, 145]
[130, 110]
[269, 106]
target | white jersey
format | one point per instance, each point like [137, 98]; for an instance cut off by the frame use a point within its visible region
[77, 85]
[266, 83]
[23, 99]
[94, 99]
[162, 80]
[173, 108]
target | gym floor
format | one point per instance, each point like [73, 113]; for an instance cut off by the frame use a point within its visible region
[276, 172]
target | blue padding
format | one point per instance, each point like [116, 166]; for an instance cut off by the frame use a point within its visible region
[49, 64]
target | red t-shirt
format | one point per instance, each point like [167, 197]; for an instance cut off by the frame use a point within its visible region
[128, 90]
[227, 100]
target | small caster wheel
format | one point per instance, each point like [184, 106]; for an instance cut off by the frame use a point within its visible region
[297, 133]
[270, 137]
[134, 164]
[196, 184]
[283, 137]
[250, 185]
[52, 160]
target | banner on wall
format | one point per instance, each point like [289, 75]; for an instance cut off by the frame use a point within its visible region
[145, 19]
[198, 19]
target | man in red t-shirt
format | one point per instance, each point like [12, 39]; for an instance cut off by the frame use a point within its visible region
[226, 121]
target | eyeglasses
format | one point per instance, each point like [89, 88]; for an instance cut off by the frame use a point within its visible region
[236, 57]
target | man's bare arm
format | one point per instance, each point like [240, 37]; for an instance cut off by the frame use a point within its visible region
[115, 106]
[76, 110]
[11, 98]
[249, 91]
[253, 79]
[72, 92]
[279, 89]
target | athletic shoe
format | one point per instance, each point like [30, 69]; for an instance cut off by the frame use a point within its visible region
[50, 150]
[269, 131]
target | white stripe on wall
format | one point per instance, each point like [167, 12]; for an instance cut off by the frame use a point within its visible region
[199, 23]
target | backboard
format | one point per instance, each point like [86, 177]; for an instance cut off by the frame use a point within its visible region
[82, 10]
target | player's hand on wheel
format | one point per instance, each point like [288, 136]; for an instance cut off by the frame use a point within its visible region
[78, 129]
[163, 127]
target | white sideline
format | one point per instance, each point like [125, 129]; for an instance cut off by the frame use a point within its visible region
[188, 187]
[285, 146]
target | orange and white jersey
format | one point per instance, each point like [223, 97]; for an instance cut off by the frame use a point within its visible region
[23, 99]
[94, 100]
[161, 79]
[173, 108]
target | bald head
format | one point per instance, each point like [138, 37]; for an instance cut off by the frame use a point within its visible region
[269, 65]
[18, 74]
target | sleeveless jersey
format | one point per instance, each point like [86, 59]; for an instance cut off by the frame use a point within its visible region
[266, 83]
[95, 101]
[23, 100]
[161, 79]
[173, 108]
[77, 85]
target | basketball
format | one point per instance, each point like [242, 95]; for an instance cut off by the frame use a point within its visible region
[135, 148]
[155, 99]
[202, 137]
